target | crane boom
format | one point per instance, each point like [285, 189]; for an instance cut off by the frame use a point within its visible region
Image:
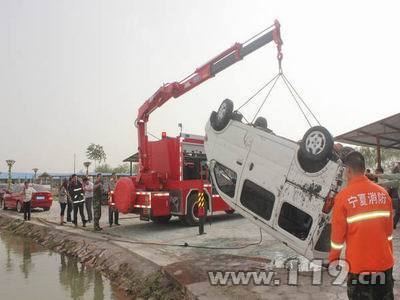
[173, 90]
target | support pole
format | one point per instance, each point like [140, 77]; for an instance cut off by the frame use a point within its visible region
[378, 156]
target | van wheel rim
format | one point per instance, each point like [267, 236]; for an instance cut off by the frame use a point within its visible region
[221, 111]
[315, 142]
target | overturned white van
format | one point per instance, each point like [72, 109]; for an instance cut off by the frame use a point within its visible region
[284, 187]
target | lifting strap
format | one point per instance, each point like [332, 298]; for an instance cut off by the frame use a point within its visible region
[295, 95]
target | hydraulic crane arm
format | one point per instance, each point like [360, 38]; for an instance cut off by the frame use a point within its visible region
[203, 73]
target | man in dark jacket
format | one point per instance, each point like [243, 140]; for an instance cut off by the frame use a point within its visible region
[75, 191]
[97, 196]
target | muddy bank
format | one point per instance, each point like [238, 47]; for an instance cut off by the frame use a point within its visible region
[134, 274]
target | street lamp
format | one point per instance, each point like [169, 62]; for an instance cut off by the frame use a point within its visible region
[87, 164]
[10, 163]
[35, 170]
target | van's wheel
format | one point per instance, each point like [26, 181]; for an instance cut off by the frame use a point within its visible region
[192, 215]
[317, 144]
[315, 149]
[19, 207]
[4, 204]
[160, 219]
[221, 118]
[229, 211]
[261, 122]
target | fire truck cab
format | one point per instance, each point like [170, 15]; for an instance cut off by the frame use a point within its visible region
[179, 174]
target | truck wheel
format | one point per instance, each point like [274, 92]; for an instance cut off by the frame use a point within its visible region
[4, 205]
[192, 216]
[221, 118]
[317, 144]
[161, 219]
[19, 207]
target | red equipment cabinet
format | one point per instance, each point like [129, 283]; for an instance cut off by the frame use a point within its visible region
[172, 171]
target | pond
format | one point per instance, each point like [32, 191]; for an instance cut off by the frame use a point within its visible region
[28, 271]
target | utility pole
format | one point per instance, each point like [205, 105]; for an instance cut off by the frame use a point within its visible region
[10, 163]
[74, 162]
[87, 164]
[35, 170]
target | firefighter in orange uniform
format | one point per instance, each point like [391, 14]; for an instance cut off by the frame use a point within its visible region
[363, 222]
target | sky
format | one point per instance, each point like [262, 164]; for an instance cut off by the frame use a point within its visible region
[75, 72]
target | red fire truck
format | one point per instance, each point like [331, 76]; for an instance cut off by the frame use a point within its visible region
[173, 170]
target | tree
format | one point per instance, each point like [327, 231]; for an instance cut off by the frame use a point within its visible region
[124, 168]
[96, 152]
[388, 157]
[104, 168]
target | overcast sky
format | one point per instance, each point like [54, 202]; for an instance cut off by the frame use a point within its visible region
[73, 72]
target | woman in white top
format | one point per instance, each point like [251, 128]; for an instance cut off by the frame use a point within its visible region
[63, 199]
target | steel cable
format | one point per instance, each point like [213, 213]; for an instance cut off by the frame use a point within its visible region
[301, 99]
[266, 97]
[294, 98]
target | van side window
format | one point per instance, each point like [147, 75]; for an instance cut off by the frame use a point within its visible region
[257, 199]
[225, 179]
[295, 221]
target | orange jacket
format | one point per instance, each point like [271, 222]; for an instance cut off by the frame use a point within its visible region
[363, 220]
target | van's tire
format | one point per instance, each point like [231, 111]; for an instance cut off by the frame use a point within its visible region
[310, 166]
[4, 204]
[160, 219]
[229, 211]
[261, 122]
[191, 218]
[316, 145]
[221, 118]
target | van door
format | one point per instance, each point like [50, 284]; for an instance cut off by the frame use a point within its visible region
[229, 152]
[299, 214]
[264, 175]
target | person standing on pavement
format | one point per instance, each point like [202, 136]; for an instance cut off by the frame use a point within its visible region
[363, 220]
[63, 199]
[27, 192]
[69, 201]
[113, 214]
[88, 188]
[76, 193]
[97, 196]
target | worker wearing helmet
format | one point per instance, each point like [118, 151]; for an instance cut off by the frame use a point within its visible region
[363, 221]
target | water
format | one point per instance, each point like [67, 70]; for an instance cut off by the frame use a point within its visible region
[28, 271]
